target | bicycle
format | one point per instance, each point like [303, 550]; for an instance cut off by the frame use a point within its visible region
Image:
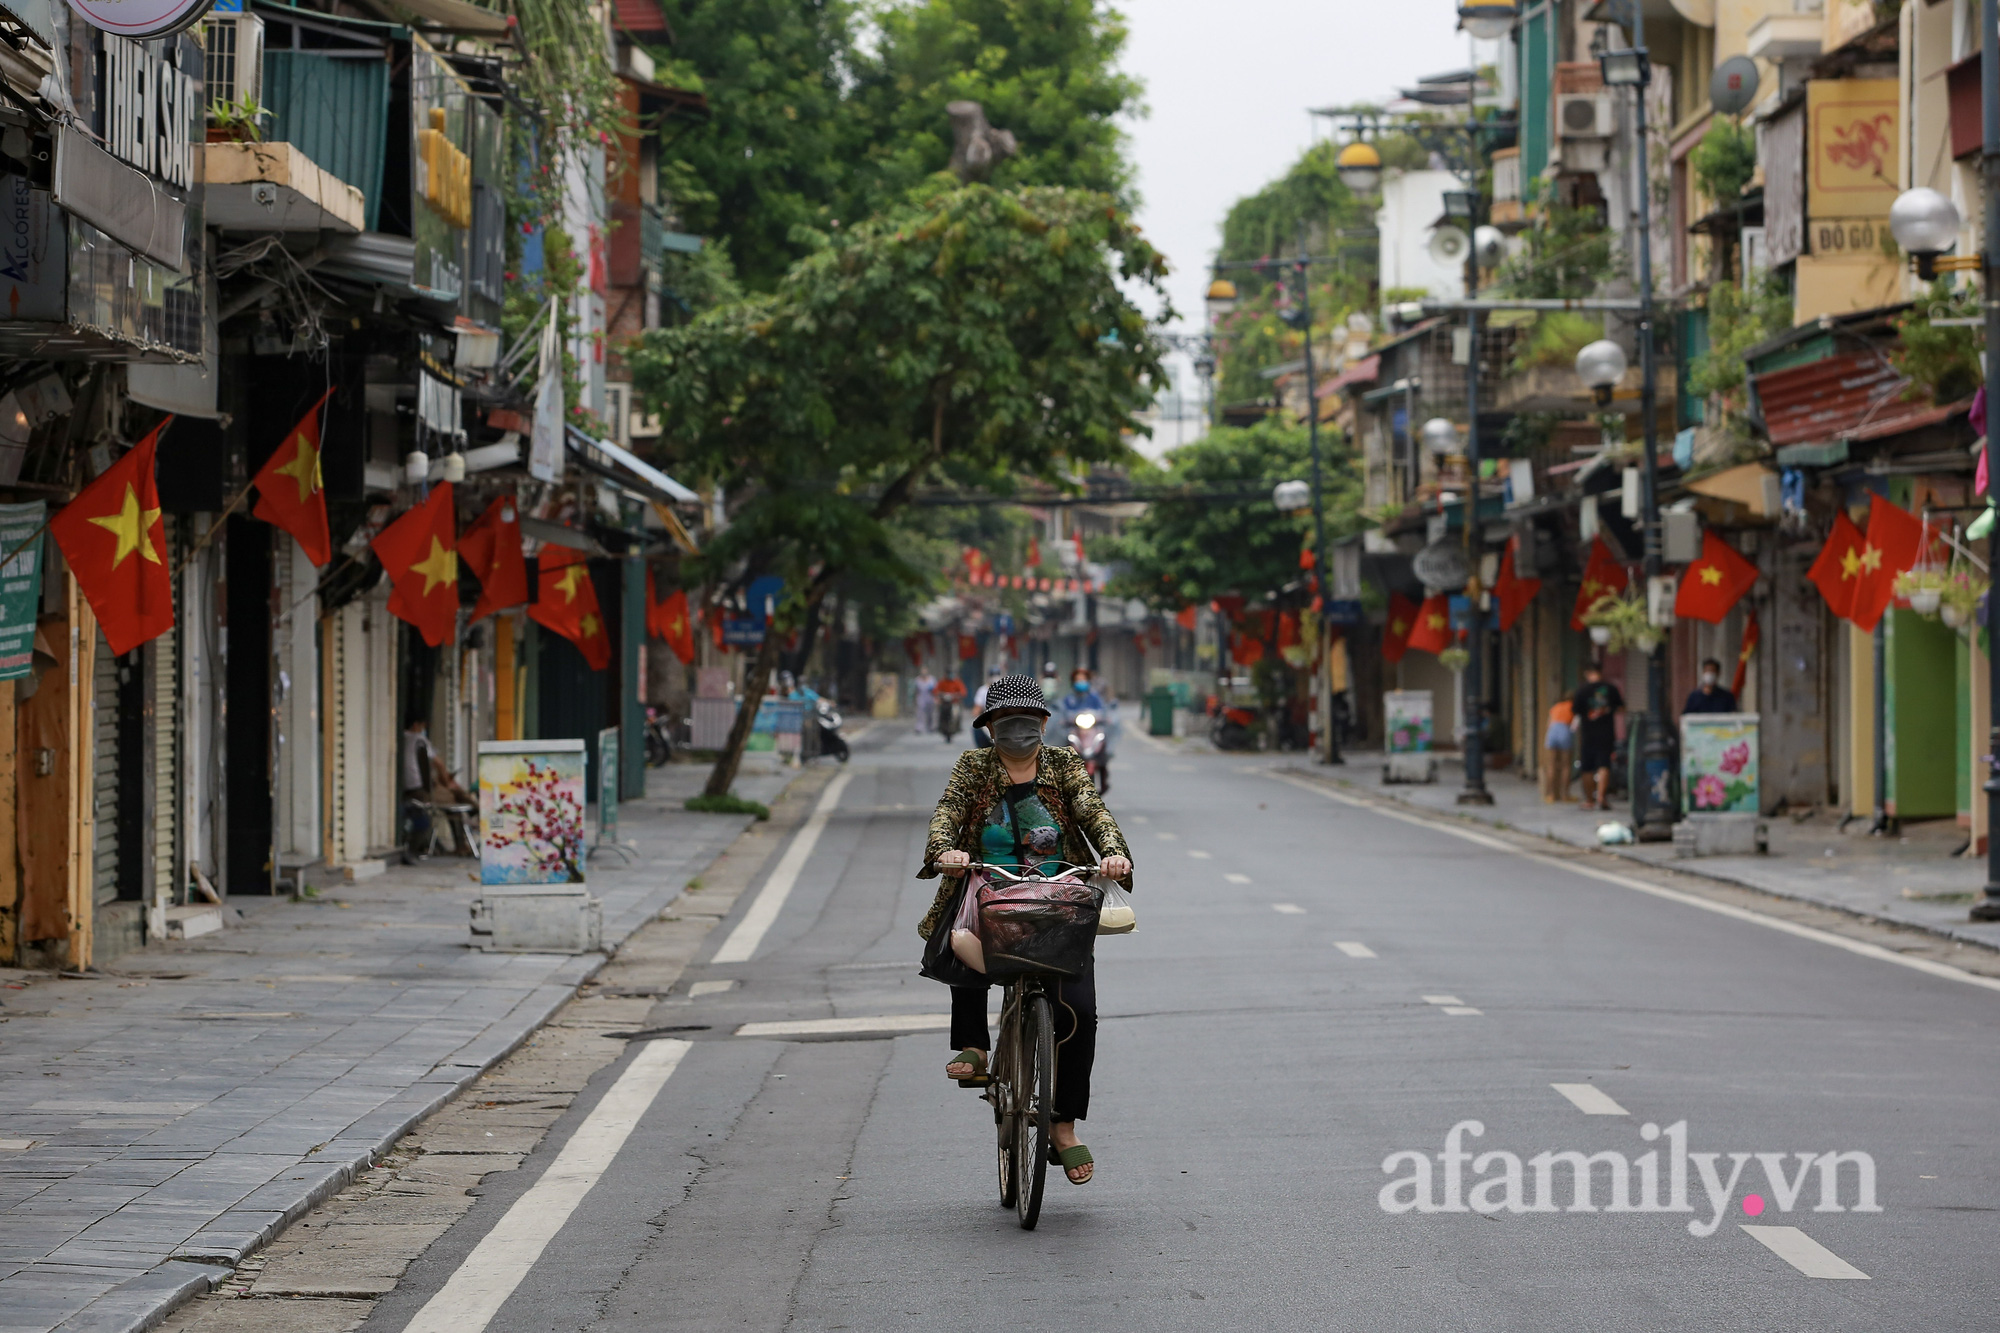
[1021, 1077]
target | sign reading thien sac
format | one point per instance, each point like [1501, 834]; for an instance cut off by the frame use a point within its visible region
[140, 19]
[1642, 1184]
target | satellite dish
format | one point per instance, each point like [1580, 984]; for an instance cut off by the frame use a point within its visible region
[1733, 87]
[1449, 245]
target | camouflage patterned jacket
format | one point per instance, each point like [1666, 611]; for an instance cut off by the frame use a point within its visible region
[979, 780]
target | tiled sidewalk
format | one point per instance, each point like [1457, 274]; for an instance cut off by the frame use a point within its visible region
[1912, 879]
[159, 1122]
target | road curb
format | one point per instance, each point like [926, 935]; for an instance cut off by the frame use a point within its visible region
[1714, 876]
[202, 1263]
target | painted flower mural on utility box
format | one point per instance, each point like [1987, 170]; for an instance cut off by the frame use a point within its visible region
[1719, 763]
[531, 802]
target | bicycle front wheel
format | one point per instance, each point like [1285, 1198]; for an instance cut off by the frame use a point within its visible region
[1034, 1092]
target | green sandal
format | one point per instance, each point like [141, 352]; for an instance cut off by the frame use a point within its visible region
[1071, 1158]
[975, 1058]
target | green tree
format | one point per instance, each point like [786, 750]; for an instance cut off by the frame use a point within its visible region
[1183, 552]
[978, 334]
[1044, 69]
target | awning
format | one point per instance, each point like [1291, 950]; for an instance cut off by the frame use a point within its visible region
[34, 15]
[457, 16]
[1364, 371]
[582, 445]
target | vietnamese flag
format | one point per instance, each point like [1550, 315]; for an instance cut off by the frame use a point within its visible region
[1714, 583]
[1185, 617]
[675, 627]
[291, 492]
[116, 543]
[491, 548]
[1894, 540]
[1396, 629]
[420, 552]
[1432, 631]
[1752, 634]
[567, 604]
[1839, 565]
[1601, 576]
[1510, 590]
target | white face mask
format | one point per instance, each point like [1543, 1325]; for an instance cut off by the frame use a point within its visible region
[1709, 678]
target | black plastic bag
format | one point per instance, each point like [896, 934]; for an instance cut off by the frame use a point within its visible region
[940, 963]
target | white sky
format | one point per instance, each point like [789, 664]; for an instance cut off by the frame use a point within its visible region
[1229, 81]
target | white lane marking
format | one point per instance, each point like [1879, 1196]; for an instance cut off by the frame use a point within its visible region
[1354, 948]
[763, 913]
[814, 1027]
[1589, 1099]
[1237, 879]
[1462, 1011]
[497, 1265]
[1861, 947]
[1168, 837]
[1199, 856]
[1289, 909]
[701, 988]
[1442, 999]
[1804, 1253]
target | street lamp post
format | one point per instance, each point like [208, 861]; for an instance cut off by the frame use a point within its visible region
[1632, 68]
[1464, 205]
[1331, 751]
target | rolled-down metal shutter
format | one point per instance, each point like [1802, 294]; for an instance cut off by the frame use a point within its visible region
[104, 774]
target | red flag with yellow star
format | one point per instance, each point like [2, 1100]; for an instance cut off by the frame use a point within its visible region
[1714, 583]
[1895, 540]
[674, 625]
[291, 492]
[1396, 629]
[1510, 590]
[116, 544]
[1602, 575]
[420, 551]
[567, 604]
[1838, 565]
[1432, 631]
[491, 547]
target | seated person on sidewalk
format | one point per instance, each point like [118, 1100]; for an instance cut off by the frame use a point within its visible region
[426, 779]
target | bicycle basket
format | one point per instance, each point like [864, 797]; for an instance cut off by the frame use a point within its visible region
[1037, 925]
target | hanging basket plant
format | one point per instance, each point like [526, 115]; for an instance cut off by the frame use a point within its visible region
[1923, 588]
[1618, 622]
[1454, 659]
[1960, 596]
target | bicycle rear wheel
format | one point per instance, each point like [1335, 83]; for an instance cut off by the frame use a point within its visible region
[1034, 1089]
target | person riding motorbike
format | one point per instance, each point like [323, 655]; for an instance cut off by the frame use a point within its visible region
[950, 698]
[1019, 803]
[1082, 697]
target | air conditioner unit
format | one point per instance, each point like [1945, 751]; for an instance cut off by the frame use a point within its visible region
[234, 69]
[1584, 116]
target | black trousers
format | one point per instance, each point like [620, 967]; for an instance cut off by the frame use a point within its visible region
[1074, 1003]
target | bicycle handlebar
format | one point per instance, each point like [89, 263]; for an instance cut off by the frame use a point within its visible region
[1067, 867]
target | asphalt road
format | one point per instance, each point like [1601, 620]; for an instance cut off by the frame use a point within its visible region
[1315, 987]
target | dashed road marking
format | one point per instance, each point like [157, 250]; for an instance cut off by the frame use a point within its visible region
[1589, 1099]
[1289, 909]
[1168, 837]
[1354, 948]
[1861, 947]
[1462, 1011]
[1199, 856]
[1804, 1253]
[1234, 878]
[1442, 999]
[474, 1294]
[701, 988]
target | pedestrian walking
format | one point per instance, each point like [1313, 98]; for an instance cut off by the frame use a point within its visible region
[1596, 706]
[1051, 685]
[1556, 745]
[926, 687]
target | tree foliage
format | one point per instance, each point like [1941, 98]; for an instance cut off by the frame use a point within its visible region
[1183, 552]
[980, 334]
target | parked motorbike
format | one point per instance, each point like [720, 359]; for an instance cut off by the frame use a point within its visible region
[829, 721]
[1234, 728]
[659, 737]
[947, 715]
[1087, 736]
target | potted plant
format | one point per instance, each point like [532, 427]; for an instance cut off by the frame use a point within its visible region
[1617, 622]
[236, 122]
[1923, 588]
[1454, 659]
[1959, 598]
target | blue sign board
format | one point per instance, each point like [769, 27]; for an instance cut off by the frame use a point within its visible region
[1341, 611]
[1003, 623]
[1461, 614]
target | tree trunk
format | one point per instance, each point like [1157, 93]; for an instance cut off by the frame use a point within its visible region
[755, 681]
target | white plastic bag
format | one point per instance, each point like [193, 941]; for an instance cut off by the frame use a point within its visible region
[965, 941]
[1115, 915]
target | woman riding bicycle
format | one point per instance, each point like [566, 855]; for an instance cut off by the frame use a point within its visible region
[1023, 805]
